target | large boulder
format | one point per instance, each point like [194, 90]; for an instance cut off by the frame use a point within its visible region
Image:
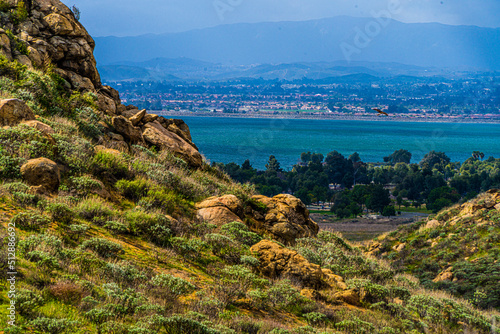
[124, 127]
[157, 135]
[280, 262]
[286, 218]
[42, 173]
[220, 210]
[14, 111]
[179, 127]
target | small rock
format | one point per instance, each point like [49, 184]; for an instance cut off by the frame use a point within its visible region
[310, 294]
[400, 247]
[148, 118]
[127, 129]
[334, 280]
[14, 111]
[42, 172]
[116, 136]
[59, 24]
[42, 127]
[137, 117]
[446, 275]
[350, 297]
[432, 223]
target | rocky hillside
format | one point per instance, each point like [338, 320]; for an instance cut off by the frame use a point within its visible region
[458, 250]
[120, 226]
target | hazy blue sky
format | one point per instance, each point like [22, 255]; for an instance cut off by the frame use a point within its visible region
[133, 17]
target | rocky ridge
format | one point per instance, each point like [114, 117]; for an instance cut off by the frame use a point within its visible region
[50, 35]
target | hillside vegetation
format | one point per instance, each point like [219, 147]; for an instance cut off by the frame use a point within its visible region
[457, 250]
[119, 226]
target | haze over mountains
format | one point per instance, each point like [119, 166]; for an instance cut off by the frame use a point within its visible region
[347, 39]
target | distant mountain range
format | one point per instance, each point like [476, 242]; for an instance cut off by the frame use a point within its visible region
[331, 40]
[182, 69]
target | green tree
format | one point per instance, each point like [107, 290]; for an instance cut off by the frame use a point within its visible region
[389, 211]
[273, 165]
[378, 197]
[398, 156]
[434, 159]
[442, 197]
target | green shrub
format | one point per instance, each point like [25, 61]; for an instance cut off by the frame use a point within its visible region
[60, 212]
[175, 285]
[11, 69]
[30, 221]
[25, 199]
[94, 209]
[316, 318]
[371, 292]
[28, 302]
[10, 167]
[4, 6]
[235, 281]
[249, 261]
[135, 189]
[43, 260]
[116, 227]
[99, 316]
[355, 326]
[240, 232]
[103, 247]
[154, 227]
[224, 247]
[163, 199]
[284, 296]
[259, 298]
[78, 230]
[389, 211]
[109, 163]
[124, 273]
[188, 248]
[179, 324]
[18, 44]
[47, 243]
[124, 301]
[83, 185]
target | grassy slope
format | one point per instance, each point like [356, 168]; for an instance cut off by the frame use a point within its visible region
[463, 241]
[134, 259]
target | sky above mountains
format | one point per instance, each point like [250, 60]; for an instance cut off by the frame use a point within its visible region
[132, 17]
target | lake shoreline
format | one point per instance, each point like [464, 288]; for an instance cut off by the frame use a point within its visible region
[335, 117]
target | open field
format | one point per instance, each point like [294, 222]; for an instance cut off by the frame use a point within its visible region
[361, 229]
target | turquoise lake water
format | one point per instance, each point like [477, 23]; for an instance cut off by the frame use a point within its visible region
[224, 139]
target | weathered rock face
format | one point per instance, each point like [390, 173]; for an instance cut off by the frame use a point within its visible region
[280, 262]
[154, 133]
[178, 127]
[43, 173]
[220, 210]
[13, 112]
[276, 261]
[287, 218]
[127, 129]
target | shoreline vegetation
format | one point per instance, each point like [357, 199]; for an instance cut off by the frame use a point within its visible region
[391, 118]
